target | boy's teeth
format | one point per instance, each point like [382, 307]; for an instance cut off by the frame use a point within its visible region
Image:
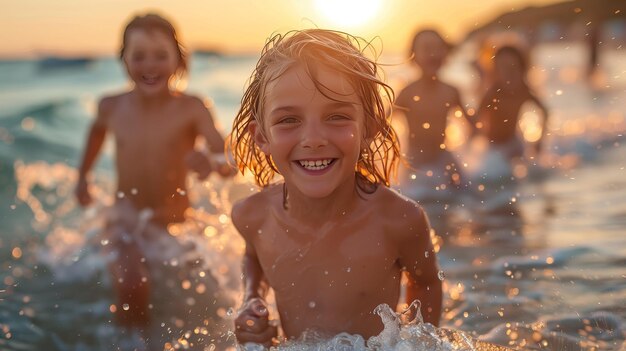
[315, 165]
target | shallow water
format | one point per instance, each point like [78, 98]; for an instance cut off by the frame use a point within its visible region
[533, 263]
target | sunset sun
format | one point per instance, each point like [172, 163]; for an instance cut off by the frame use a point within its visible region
[348, 13]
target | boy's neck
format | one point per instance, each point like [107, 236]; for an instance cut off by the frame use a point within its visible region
[319, 210]
[429, 79]
[152, 99]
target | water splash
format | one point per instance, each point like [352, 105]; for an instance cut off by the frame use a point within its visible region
[404, 331]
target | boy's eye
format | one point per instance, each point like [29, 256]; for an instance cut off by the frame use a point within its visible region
[287, 120]
[338, 117]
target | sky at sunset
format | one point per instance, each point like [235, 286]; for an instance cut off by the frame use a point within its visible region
[73, 27]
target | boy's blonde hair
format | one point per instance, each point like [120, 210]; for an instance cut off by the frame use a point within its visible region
[344, 54]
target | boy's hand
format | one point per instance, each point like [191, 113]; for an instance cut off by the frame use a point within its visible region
[199, 163]
[252, 324]
[82, 192]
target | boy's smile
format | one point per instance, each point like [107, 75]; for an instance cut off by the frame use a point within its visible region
[313, 130]
[316, 165]
[150, 60]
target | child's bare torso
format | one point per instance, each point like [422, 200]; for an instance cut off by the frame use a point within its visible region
[426, 106]
[502, 113]
[328, 277]
[151, 142]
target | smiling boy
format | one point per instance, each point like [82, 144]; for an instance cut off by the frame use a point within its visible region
[331, 239]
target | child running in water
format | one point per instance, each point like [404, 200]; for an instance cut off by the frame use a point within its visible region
[331, 239]
[155, 130]
[426, 104]
[501, 105]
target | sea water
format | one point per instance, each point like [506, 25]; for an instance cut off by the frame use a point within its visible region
[531, 257]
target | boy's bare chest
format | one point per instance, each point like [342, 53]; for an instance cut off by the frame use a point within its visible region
[163, 127]
[335, 258]
[429, 104]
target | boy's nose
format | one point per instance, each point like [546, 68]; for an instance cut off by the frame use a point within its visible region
[314, 136]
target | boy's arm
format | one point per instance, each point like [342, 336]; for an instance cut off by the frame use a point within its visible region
[255, 284]
[483, 109]
[544, 124]
[418, 257]
[471, 120]
[214, 141]
[252, 323]
[95, 139]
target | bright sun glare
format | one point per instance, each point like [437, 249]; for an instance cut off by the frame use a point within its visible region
[348, 13]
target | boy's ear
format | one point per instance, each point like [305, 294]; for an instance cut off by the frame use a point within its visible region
[258, 135]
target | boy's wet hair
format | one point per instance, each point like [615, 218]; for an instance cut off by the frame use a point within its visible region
[151, 22]
[344, 54]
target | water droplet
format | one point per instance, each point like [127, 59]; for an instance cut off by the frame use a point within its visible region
[126, 307]
[230, 311]
[134, 191]
[120, 194]
[426, 254]
[348, 269]
[441, 275]
[312, 304]
[104, 242]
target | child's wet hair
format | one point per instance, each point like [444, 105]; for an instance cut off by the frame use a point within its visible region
[342, 53]
[152, 22]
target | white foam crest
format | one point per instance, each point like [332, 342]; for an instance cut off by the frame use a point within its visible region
[398, 334]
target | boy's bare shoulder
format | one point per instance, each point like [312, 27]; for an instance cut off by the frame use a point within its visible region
[252, 211]
[110, 101]
[194, 106]
[108, 104]
[390, 201]
[407, 93]
[399, 212]
[191, 101]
